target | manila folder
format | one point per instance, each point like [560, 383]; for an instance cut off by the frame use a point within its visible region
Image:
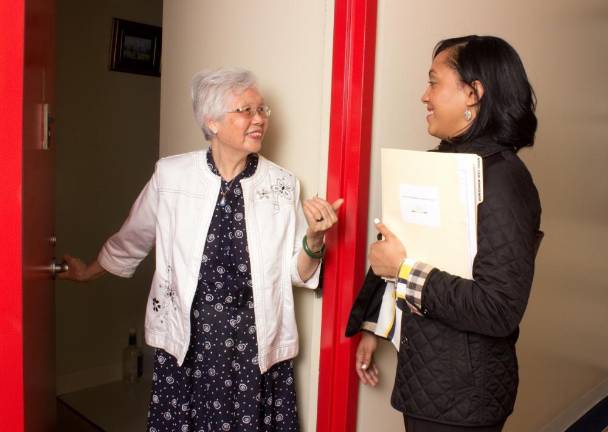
[429, 200]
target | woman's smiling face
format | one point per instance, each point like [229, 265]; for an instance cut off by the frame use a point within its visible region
[241, 132]
[446, 99]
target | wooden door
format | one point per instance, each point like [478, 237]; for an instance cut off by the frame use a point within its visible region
[27, 358]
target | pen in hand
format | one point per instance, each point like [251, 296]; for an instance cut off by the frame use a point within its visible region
[376, 222]
[379, 236]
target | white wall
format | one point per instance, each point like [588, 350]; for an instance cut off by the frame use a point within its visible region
[563, 349]
[107, 126]
[287, 44]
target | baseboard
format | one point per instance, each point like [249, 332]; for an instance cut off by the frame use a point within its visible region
[576, 410]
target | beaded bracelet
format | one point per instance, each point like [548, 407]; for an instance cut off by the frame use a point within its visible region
[314, 255]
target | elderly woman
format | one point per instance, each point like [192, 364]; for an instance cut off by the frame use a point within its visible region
[231, 238]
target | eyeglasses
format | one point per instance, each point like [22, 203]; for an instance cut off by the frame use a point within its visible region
[262, 110]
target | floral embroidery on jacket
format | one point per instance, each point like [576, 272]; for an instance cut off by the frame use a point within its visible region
[283, 189]
[170, 297]
[263, 194]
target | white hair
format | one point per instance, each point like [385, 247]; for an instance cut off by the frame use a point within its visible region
[211, 90]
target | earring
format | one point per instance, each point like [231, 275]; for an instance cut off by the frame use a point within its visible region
[468, 115]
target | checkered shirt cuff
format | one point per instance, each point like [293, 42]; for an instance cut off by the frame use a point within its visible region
[369, 326]
[412, 276]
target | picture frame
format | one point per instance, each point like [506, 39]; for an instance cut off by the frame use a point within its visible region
[135, 47]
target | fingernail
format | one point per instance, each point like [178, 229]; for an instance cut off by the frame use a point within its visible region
[363, 366]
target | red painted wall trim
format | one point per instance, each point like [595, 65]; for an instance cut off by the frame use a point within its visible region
[12, 18]
[354, 47]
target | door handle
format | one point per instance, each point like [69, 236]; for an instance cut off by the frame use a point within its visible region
[57, 267]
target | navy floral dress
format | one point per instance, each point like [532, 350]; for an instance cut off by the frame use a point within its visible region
[220, 387]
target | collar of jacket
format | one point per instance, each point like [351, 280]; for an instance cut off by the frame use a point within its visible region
[257, 177]
[483, 146]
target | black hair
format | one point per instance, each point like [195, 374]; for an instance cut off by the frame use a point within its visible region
[506, 109]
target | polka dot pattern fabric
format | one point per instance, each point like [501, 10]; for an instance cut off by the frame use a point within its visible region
[220, 387]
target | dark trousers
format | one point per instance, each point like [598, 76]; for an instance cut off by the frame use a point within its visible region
[418, 425]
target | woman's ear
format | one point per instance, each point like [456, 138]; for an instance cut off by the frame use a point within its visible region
[213, 126]
[475, 93]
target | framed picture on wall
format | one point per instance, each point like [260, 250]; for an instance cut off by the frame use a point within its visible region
[136, 47]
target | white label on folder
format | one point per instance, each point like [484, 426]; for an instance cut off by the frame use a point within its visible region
[419, 204]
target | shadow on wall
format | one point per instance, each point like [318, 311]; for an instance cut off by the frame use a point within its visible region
[271, 148]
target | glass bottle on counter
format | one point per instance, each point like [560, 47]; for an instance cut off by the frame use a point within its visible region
[132, 359]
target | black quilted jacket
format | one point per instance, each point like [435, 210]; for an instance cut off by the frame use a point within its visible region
[457, 363]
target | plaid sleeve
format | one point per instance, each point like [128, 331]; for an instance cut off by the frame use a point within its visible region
[410, 281]
[369, 326]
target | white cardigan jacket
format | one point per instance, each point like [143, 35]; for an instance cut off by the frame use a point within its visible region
[174, 211]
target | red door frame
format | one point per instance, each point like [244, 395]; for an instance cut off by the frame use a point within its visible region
[12, 23]
[354, 47]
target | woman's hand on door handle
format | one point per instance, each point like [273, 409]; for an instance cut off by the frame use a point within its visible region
[79, 271]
